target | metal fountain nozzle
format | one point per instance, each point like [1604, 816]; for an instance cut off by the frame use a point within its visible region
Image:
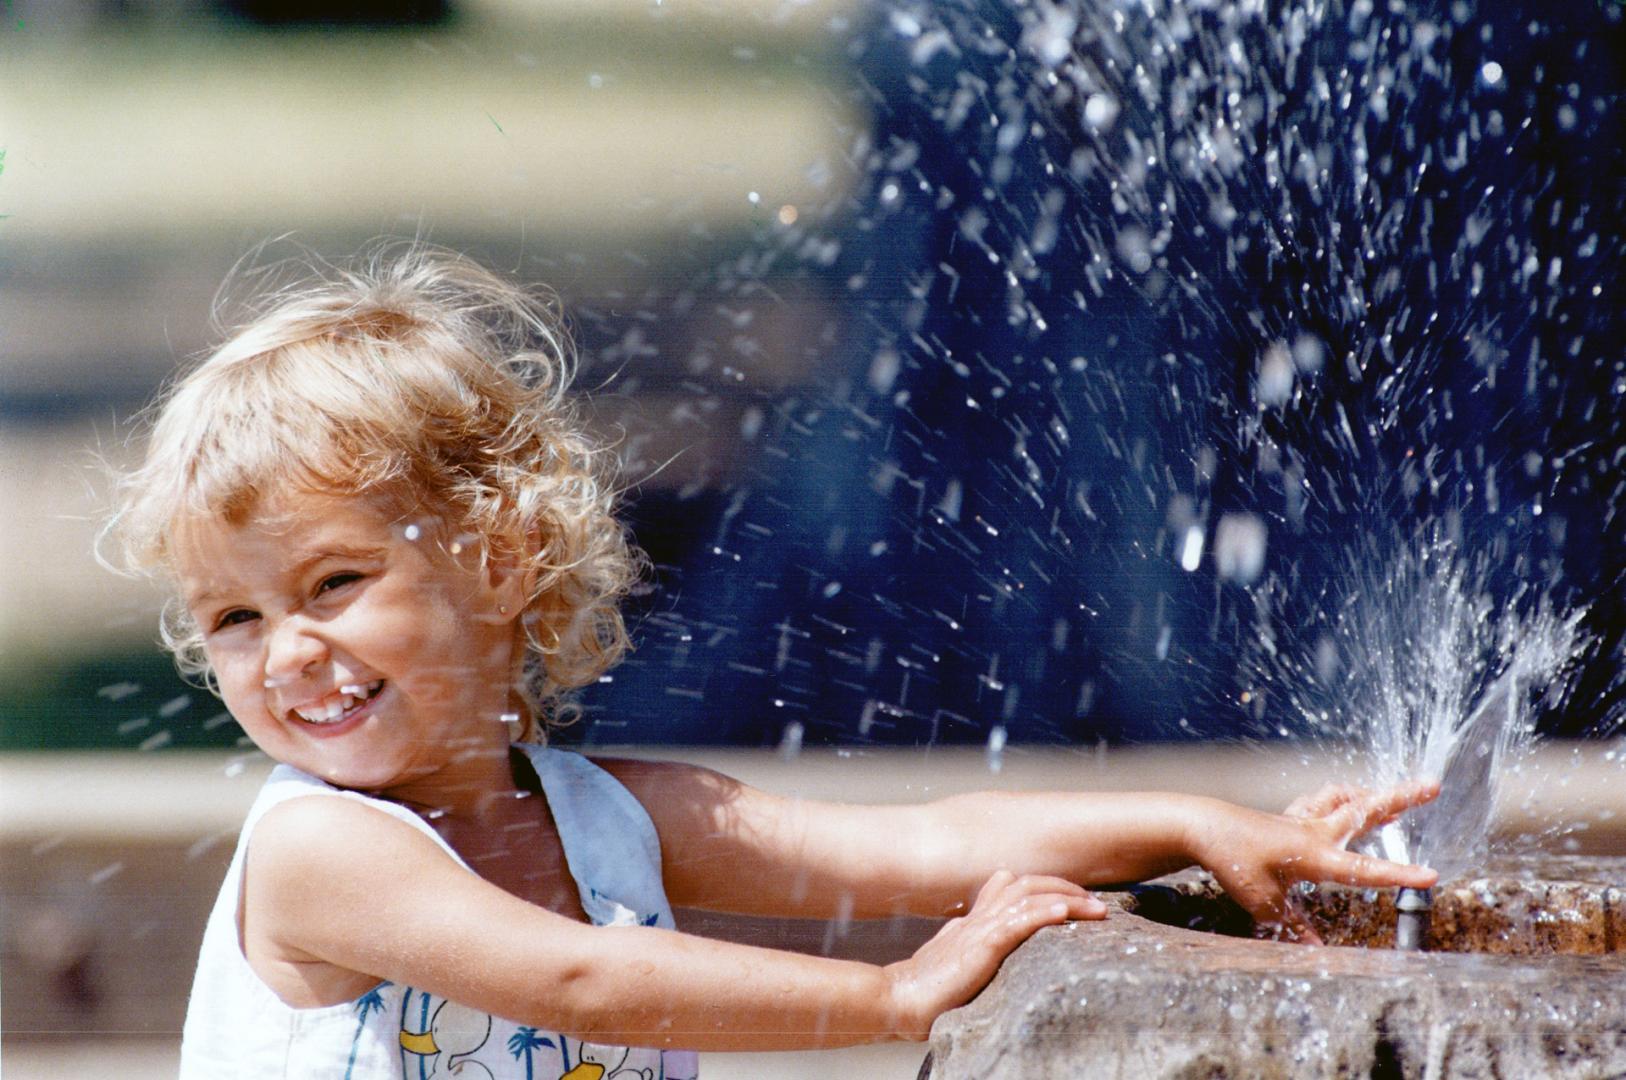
[1411, 927]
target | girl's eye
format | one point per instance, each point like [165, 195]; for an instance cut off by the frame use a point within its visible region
[233, 617]
[337, 581]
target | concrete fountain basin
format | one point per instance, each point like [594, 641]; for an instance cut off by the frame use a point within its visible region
[1526, 979]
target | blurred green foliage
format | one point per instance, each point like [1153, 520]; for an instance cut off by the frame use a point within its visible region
[134, 701]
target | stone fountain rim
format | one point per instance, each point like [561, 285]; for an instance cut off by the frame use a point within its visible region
[1295, 960]
[1497, 875]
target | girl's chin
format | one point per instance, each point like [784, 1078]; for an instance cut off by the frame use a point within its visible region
[372, 774]
[356, 778]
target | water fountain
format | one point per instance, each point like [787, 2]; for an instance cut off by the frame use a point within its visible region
[1440, 681]
[1525, 953]
[1523, 980]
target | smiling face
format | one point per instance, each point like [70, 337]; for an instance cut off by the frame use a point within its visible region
[349, 643]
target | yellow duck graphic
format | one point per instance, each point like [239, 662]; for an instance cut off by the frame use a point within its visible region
[441, 1028]
[587, 1070]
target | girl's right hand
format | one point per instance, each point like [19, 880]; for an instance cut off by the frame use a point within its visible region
[1256, 857]
[960, 960]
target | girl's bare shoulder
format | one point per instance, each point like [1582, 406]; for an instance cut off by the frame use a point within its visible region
[311, 866]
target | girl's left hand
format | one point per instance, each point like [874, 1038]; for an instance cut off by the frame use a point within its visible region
[1256, 856]
[953, 966]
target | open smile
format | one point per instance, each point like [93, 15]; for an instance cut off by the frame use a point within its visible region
[338, 712]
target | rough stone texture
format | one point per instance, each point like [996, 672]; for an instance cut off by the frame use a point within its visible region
[1131, 998]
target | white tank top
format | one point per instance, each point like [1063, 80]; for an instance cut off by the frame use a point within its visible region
[237, 1027]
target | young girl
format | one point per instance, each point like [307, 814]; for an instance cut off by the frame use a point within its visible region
[394, 551]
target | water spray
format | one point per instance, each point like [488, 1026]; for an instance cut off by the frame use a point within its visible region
[1445, 832]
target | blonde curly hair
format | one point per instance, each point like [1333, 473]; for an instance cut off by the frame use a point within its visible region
[416, 373]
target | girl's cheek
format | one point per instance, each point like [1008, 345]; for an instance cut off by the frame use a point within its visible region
[237, 680]
[231, 690]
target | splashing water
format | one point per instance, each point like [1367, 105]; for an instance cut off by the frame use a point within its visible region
[1470, 743]
[1420, 672]
[1147, 308]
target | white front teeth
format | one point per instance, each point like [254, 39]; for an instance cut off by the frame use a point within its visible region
[335, 710]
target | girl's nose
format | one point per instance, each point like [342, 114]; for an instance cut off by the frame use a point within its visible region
[291, 651]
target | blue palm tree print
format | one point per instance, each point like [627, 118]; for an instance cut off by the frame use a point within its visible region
[523, 1042]
[365, 1006]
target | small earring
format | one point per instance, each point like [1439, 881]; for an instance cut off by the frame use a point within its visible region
[502, 609]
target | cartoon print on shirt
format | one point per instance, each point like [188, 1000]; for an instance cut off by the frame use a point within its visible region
[439, 1038]
[610, 1063]
[523, 1043]
[367, 1004]
[436, 1032]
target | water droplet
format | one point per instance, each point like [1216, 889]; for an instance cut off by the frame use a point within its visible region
[790, 740]
[107, 873]
[1239, 547]
[1100, 111]
[996, 748]
[1274, 383]
[119, 691]
[883, 370]
[1308, 353]
[1191, 550]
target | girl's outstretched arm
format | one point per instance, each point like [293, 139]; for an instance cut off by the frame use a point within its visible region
[730, 847]
[336, 888]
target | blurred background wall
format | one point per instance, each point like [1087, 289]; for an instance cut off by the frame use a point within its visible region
[984, 373]
[621, 153]
[952, 409]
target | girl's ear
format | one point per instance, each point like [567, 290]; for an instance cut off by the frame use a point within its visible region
[505, 578]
